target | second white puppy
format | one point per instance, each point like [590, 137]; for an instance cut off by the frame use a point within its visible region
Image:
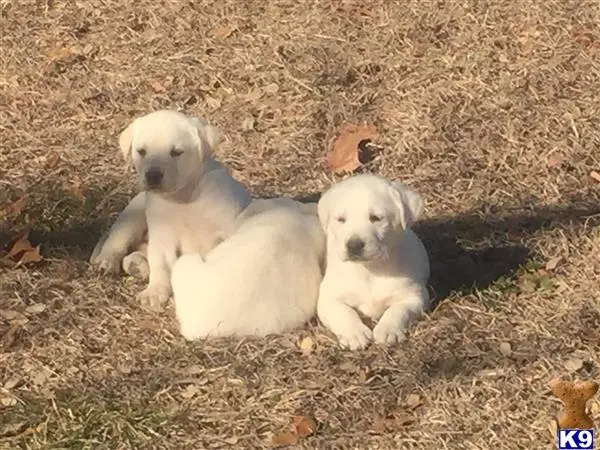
[191, 201]
[263, 279]
[375, 263]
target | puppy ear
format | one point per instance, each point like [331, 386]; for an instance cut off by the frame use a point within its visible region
[209, 135]
[408, 202]
[323, 207]
[125, 141]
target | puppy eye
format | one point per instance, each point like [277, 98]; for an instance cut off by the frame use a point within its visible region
[341, 219]
[142, 152]
[175, 153]
[375, 218]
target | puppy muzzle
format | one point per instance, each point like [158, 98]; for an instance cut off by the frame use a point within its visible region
[153, 179]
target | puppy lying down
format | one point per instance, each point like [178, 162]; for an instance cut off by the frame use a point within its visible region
[375, 263]
[190, 201]
[263, 279]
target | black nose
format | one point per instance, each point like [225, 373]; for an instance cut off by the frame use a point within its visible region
[355, 246]
[154, 177]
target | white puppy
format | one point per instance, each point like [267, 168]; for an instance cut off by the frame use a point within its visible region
[375, 263]
[191, 201]
[263, 279]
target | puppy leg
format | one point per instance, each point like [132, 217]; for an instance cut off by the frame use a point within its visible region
[161, 257]
[394, 322]
[127, 232]
[344, 322]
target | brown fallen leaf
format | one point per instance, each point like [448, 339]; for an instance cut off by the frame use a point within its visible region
[225, 31]
[553, 161]
[304, 426]
[392, 422]
[552, 263]
[16, 208]
[595, 175]
[344, 157]
[301, 426]
[162, 85]
[505, 348]
[284, 439]
[413, 400]
[21, 245]
[52, 160]
[59, 53]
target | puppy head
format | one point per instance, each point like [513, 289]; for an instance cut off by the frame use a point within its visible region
[361, 215]
[168, 149]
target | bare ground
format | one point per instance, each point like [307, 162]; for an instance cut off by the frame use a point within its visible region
[490, 109]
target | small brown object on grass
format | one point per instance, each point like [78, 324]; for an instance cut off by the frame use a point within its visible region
[574, 396]
[344, 157]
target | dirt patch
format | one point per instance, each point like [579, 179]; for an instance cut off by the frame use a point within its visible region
[490, 110]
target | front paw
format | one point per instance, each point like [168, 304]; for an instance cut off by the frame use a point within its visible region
[109, 263]
[388, 333]
[356, 338]
[154, 297]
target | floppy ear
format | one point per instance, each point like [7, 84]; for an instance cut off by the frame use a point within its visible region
[409, 204]
[323, 207]
[125, 140]
[208, 134]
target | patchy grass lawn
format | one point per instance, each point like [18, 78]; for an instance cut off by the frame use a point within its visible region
[490, 109]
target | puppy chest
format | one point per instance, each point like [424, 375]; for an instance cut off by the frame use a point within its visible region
[375, 297]
[188, 231]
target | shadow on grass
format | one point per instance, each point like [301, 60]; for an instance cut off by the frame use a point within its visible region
[467, 251]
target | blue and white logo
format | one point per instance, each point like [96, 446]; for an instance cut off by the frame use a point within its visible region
[575, 439]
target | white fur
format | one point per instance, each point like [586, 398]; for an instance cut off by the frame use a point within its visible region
[263, 279]
[386, 280]
[191, 209]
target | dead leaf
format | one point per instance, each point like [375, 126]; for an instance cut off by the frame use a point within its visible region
[413, 400]
[9, 314]
[13, 429]
[345, 152]
[304, 426]
[284, 439]
[30, 256]
[505, 348]
[552, 263]
[59, 53]
[272, 88]
[35, 308]
[595, 175]
[21, 245]
[225, 31]
[553, 161]
[52, 160]
[573, 364]
[392, 422]
[213, 103]
[13, 382]
[162, 85]
[307, 345]
[17, 207]
[190, 391]
[7, 402]
[248, 123]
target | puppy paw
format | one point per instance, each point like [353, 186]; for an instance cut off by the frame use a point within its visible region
[108, 264]
[154, 298]
[356, 338]
[136, 265]
[388, 333]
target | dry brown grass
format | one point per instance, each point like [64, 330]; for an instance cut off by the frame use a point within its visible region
[471, 99]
